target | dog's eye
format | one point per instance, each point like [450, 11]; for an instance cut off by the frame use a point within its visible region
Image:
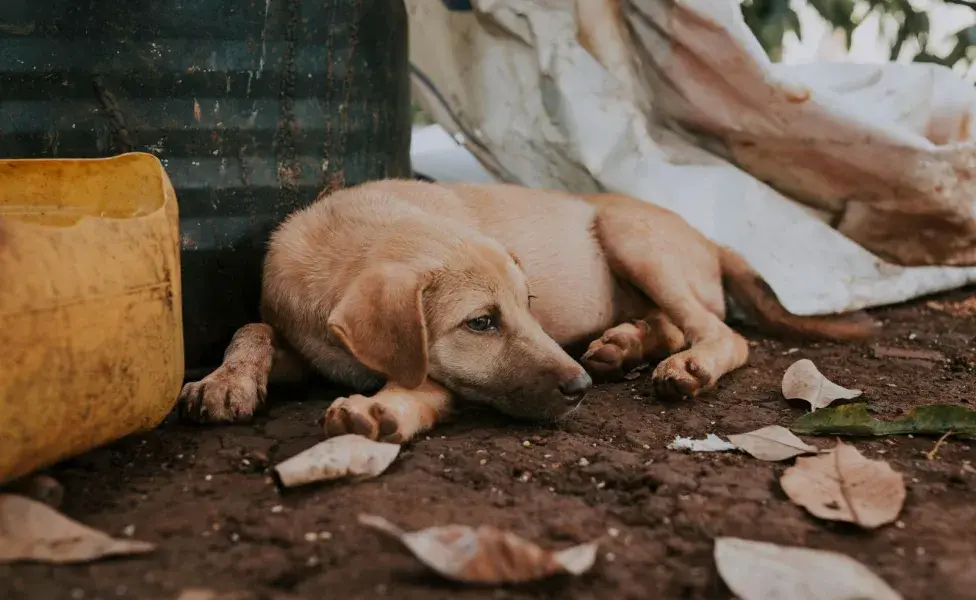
[484, 323]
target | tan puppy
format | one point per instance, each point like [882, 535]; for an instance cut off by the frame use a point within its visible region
[419, 293]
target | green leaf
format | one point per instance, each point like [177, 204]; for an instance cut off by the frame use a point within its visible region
[853, 419]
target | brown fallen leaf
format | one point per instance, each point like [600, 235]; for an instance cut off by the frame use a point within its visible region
[40, 487]
[208, 594]
[843, 485]
[963, 308]
[761, 571]
[485, 555]
[804, 382]
[914, 353]
[33, 531]
[350, 455]
[772, 443]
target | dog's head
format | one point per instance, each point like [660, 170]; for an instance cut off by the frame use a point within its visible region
[464, 321]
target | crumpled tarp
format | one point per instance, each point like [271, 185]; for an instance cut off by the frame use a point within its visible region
[847, 186]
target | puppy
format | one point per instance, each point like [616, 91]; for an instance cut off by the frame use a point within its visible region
[418, 294]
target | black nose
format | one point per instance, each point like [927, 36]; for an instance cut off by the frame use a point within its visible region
[574, 389]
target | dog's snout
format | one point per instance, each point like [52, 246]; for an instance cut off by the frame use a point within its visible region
[576, 387]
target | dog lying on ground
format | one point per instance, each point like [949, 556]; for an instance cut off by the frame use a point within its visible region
[418, 294]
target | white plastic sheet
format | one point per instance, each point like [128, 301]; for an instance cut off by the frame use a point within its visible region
[674, 102]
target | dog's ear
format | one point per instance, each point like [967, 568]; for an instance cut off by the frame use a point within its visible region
[380, 321]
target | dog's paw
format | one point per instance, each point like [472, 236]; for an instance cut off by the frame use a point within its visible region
[680, 376]
[617, 352]
[363, 416]
[226, 395]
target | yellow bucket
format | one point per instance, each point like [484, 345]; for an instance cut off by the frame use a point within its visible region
[91, 325]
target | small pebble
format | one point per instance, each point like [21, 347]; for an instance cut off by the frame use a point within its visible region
[920, 551]
[647, 447]
[208, 477]
[311, 536]
[312, 561]
[77, 593]
[610, 556]
[914, 479]
[583, 462]
[527, 444]
[325, 535]
[483, 461]
[900, 524]
[613, 532]
[900, 551]
[129, 530]
[235, 537]
[120, 590]
[600, 485]
[277, 508]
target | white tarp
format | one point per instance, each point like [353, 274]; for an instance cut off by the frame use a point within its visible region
[675, 102]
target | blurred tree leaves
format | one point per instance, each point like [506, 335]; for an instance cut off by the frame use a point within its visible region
[771, 20]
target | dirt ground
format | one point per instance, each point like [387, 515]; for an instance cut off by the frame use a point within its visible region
[203, 495]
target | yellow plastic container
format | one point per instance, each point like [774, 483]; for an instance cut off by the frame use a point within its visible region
[91, 326]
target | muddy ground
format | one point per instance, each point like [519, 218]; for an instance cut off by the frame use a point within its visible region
[203, 497]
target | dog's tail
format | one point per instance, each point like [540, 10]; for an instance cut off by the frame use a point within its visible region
[760, 304]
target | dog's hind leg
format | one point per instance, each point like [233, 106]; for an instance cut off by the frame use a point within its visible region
[679, 271]
[237, 389]
[394, 414]
[627, 346]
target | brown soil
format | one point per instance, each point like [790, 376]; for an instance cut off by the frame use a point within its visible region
[202, 494]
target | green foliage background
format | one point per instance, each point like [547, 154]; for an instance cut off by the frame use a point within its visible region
[770, 20]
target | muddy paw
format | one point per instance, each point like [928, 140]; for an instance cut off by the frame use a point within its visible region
[362, 416]
[615, 354]
[680, 376]
[226, 395]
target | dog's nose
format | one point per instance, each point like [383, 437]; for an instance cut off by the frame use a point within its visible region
[575, 388]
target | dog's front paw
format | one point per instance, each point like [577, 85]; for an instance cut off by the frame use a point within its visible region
[617, 352]
[368, 417]
[680, 376]
[226, 395]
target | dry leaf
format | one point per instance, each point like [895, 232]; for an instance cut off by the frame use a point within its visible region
[764, 571]
[208, 594]
[843, 485]
[343, 456]
[40, 487]
[803, 381]
[772, 443]
[913, 353]
[33, 531]
[711, 443]
[485, 555]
